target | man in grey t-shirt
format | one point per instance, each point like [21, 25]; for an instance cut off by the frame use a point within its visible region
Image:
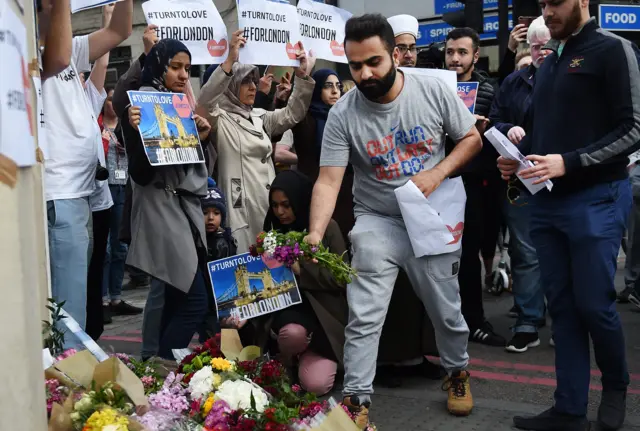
[392, 130]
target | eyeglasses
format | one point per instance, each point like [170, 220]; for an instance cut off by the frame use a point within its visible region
[338, 86]
[404, 48]
[514, 194]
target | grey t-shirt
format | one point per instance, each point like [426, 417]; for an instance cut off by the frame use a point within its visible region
[389, 143]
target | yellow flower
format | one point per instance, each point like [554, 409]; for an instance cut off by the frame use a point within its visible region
[221, 364]
[217, 381]
[106, 418]
[208, 405]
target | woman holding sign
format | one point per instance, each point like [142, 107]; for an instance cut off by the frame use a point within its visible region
[168, 233]
[243, 135]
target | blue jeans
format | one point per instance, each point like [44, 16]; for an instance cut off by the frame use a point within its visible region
[527, 289]
[68, 226]
[182, 316]
[577, 237]
[116, 251]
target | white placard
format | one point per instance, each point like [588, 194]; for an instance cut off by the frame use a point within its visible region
[272, 32]
[79, 5]
[47, 359]
[448, 76]
[322, 29]
[196, 23]
[41, 125]
[506, 149]
[16, 137]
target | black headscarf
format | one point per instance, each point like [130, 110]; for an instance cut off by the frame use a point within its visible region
[318, 109]
[158, 60]
[298, 188]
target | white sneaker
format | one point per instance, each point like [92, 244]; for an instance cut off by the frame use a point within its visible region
[634, 299]
[552, 342]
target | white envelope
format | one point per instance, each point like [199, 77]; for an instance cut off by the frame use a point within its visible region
[434, 225]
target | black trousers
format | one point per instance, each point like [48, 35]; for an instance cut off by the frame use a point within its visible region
[101, 224]
[482, 221]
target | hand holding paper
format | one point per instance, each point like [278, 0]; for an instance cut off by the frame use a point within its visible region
[546, 167]
[512, 161]
[237, 41]
[301, 56]
[428, 181]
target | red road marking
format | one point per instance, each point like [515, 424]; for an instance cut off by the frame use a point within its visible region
[525, 367]
[530, 380]
[121, 338]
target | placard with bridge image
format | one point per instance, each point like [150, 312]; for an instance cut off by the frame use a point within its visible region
[245, 286]
[167, 128]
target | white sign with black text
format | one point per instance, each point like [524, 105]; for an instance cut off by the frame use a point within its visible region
[272, 33]
[80, 5]
[322, 29]
[16, 135]
[196, 23]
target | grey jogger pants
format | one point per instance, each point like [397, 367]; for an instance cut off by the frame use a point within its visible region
[380, 247]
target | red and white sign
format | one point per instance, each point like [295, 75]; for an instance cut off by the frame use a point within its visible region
[196, 23]
[272, 33]
[322, 29]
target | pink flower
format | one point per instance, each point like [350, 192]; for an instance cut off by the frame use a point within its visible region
[296, 388]
[66, 354]
[147, 381]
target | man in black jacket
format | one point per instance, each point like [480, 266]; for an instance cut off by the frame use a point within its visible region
[484, 190]
[585, 122]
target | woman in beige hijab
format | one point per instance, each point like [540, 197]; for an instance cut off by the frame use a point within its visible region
[243, 136]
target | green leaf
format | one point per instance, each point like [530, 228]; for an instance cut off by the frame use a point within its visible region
[253, 402]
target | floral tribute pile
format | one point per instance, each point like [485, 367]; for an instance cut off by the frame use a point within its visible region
[290, 247]
[206, 393]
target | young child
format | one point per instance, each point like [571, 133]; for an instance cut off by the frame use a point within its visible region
[220, 244]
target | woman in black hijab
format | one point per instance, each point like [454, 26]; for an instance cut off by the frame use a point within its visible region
[311, 333]
[168, 239]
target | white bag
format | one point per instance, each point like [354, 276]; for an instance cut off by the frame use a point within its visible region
[434, 225]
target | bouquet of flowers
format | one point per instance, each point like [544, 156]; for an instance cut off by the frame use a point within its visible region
[108, 398]
[145, 371]
[290, 247]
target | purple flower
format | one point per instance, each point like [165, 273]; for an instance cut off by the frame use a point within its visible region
[172, 396]
[217, 415]
[314, 249]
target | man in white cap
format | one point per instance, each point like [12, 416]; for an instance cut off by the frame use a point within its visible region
[405, 30]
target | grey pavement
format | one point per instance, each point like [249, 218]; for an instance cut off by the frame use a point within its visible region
[503, 384]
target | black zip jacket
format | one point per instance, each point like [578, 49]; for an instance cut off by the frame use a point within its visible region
[586, 107]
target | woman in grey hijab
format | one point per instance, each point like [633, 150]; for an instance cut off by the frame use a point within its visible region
[243, 135]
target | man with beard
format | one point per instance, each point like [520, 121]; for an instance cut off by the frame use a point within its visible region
[392, 130]
[585, 122]
[405, 30]
[484, 191]
[509, 114]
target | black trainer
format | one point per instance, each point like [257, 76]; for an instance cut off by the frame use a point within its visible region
[521, 342]
[426, 370]
[389, 376]
[634, 298]
[551, 420]
[486, 335]
[124, 309]
[612, 410]
[623, 295]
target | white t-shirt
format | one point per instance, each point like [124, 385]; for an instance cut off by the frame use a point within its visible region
[100, 199]
[72, 128]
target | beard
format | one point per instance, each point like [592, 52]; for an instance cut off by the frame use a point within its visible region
[373, 89]
[464, 71]
[571, 24]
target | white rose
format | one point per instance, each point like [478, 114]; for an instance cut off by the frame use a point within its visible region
[238, 395]
[201, 384]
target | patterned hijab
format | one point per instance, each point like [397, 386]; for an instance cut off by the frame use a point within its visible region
[157, 63]
[230, 100]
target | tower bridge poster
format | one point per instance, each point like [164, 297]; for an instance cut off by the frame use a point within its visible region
[167, 128]
[245, 286]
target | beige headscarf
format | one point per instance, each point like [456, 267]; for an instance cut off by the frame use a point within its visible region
[230, 101]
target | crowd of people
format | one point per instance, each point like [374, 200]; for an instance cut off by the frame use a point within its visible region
[316, 153]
